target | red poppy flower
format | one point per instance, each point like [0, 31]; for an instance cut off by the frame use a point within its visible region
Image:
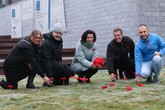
[93, 49]
[112, 84]
[140, 85]
[103, 87]
[128, 88]
[124, 78]
[10, 86]
[63, 78]
[85, 79]
[115, 74]
[81, 79]
[164, 74]
[51, 79]
[98, 62]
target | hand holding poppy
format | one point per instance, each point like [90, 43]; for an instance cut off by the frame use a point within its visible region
[98, 62]
[47, 81]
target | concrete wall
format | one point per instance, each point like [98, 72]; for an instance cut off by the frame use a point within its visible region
[102, 16]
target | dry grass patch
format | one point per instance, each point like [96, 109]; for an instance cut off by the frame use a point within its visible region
[86, 96]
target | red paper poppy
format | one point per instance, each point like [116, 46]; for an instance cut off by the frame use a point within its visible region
[93, 49]
[98, 62]
[128, 88]
[141, 85]
[112, 84]
[10, 86]
[103, 87]
[115, 74]
[85, 79]
[63, 78]
[51, 79]
[124, 78]
[81, 79]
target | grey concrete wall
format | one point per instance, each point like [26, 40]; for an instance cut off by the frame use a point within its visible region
[5, 21]
[102, 16]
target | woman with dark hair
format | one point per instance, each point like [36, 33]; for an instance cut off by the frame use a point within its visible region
[23, 61]
[86, 52]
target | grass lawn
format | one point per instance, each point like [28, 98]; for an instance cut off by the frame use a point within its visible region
[86, 96]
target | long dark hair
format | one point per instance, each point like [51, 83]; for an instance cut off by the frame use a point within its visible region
[84, 35]
[34, 33]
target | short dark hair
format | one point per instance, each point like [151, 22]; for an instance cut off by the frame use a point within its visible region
[142, 25]
[84, 35]
[118, 29]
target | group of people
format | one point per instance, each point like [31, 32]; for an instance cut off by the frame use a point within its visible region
[33, 55]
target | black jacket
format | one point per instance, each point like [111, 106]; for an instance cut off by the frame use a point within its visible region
[23, 53]
[51, 53]
[122, 50]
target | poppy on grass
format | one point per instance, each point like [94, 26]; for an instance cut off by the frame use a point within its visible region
[103, 87]
[128, 88]
[111, 84]
[140, 85]
[10, 86]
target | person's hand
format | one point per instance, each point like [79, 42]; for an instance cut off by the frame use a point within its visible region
[94, 67]
[47, 80]
[137, 79]
[113, 77]
[157, 53]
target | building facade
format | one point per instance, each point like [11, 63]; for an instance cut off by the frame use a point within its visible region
[102, 16]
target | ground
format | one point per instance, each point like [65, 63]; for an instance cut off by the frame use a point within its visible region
[86, 96]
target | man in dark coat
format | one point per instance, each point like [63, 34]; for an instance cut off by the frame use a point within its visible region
[51, 57]
[23, 61]
[120, 55]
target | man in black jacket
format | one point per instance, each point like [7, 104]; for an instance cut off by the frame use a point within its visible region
[23, 61]
[120, 55]
[51, 57]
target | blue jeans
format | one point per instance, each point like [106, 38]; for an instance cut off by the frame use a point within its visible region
[153, 66]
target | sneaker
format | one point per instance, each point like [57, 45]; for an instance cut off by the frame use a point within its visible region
[155, 81]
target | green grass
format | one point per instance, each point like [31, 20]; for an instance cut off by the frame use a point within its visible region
[86, 96]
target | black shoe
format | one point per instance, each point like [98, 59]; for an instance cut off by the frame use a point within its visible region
[4, 84]
[31, 86]
[149, 80]
[155, 81]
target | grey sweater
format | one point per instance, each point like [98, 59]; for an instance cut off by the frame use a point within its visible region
[84, 57]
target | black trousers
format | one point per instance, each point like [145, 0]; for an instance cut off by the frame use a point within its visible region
[125, 65]
[61, 71]
[88, 73]
[15, 73]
